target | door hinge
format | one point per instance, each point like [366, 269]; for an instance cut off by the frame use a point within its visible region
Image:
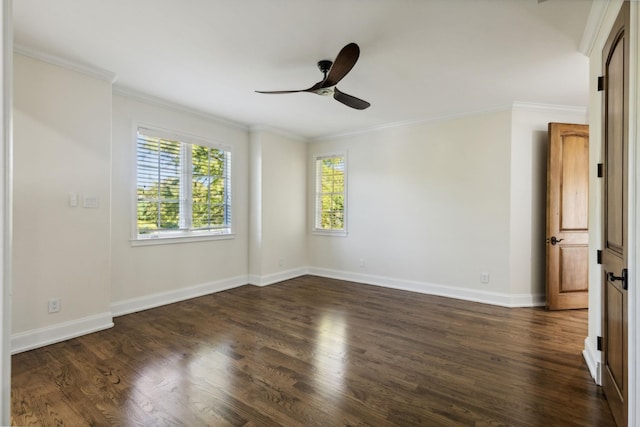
[600, 170]
[600, 83]
[599, 256]
[599, 343]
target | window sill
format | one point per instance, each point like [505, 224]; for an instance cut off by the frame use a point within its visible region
[170, 240]
[334, 233]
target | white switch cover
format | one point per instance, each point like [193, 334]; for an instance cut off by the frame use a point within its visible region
[90, 202]
[73, 200]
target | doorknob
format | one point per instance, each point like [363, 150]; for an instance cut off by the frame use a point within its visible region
[554, 241]
[622, 278]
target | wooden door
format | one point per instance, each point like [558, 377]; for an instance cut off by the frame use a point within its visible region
[614, 251]
[568, 217]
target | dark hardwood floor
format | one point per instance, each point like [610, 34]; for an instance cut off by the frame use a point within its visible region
[316, 352]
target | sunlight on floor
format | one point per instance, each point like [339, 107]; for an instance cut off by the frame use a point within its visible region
[330, 354]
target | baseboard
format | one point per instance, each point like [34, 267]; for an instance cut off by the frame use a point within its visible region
[64, 331]
[527, 300]
[146, 302]
[485, 297]
[592, 358]
[280, 276]
[41, 337]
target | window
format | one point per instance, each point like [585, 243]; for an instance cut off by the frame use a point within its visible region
[330, 194]
[183, 189]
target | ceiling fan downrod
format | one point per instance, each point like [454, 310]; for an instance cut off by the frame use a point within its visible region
[325, 66]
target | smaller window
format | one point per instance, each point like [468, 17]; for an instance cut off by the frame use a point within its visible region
[330, 200]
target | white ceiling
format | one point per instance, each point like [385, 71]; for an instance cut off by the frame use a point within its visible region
[419, 59]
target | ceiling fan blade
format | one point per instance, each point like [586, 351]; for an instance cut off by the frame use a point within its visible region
[279, 91]
[311, 89]
[344, 62]
[350, 101]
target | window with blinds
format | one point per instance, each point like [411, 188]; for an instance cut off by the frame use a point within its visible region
[330, 200]
[183, 189]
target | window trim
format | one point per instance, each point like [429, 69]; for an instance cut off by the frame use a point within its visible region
[178, 236]
[322, 231]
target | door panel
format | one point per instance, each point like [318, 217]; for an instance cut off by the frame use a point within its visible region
[615, 150]
[575, 188]
[614, 252]
[575, 269]
[567, 216]
[615, 335]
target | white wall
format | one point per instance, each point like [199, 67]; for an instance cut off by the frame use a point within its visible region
[255, 207]
[145, 276]
[62, 134]
[278, 209]
[469, 196]
[529, 142]
[428, 208]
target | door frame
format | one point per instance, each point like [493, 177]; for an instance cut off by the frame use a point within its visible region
[634, 213]
[634, 216]
[601, 19]
[6, 66]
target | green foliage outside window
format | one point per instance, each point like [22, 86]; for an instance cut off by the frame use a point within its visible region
[330, 193]
[208, 187]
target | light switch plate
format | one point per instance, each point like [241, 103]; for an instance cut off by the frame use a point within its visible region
[73, 200]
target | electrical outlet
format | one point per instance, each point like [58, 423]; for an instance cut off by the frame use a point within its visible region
[90, 202]
[54, 305]
[484, 277]
[281, 262]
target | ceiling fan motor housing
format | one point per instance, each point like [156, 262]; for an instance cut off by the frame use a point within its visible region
[325, 66]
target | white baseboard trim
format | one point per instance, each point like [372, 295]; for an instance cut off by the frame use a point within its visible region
[592, 358]
[485, 297]
[120, 308]
[60, 332]
[280, 276]
[41, 337]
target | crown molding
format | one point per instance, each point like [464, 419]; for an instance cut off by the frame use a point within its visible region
[592, 27]
[160, 102]
[599, 19]
[515, 106]
[554, 108]
[86, 69]
[277, 131]
[597, 15]
[414, 122]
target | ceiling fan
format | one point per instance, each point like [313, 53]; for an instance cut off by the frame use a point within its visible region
[333, 73]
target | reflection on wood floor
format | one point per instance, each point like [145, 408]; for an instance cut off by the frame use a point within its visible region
[316, 352]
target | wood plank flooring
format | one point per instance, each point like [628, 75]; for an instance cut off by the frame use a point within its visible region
[316, 352]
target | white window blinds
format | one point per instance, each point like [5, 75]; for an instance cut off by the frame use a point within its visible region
[182, 188]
